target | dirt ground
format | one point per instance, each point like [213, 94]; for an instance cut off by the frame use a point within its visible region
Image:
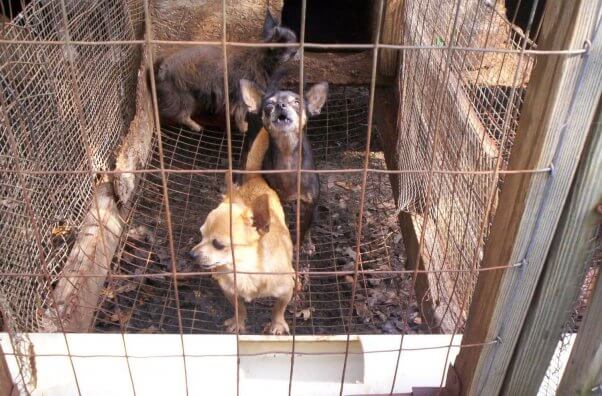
[323, 307]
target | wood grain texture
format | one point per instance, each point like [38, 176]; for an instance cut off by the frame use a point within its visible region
[392, 33]
[77, 296]
[136, 145]
[563, 274]
[584, 368]
[530, 205]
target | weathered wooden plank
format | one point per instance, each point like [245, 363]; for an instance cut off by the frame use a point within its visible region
[77, 293]
[392, 33]
[136, 146]
[76, 296]
[563, 275]
[584, 369]
[554, 116]
[460, 127]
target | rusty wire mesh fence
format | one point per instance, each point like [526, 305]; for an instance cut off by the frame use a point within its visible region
[481, 93]
[64, 108]
[73, 77]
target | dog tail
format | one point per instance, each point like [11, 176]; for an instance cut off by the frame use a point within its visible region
[257, 153]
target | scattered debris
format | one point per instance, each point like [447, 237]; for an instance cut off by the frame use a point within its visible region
[322, 305]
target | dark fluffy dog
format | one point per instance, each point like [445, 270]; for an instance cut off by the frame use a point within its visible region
[283, 117]
[190, 81]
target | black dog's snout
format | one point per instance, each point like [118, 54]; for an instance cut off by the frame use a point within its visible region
[281, 105]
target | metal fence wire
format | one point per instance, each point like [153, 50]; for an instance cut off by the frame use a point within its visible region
[63, 107]
[76, 80]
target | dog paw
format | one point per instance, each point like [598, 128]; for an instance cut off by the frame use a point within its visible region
[279, 328]
[231, 325]
[191, 124]
[195, 127]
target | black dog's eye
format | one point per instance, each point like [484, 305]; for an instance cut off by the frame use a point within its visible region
[217, 244]
[297, 102]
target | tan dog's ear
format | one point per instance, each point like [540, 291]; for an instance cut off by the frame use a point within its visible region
[251, 95]
[316, 97]
[261, 214]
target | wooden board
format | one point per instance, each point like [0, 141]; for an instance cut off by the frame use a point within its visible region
[78, 291]
[530, 205]
[136, 146]
[77, 296]
[438, 119]
[392, 33]
[564, 272]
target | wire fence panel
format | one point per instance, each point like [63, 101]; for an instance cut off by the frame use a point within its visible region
[79, 118]
[458, 111]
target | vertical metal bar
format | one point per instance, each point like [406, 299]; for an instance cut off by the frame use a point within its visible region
[358, 239]
[229, 182]
[149, 45]
[298, 201]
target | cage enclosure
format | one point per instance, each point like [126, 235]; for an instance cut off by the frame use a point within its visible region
[97, 111]
[101, 202]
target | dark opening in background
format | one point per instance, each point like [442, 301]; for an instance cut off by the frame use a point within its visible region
[331, 21]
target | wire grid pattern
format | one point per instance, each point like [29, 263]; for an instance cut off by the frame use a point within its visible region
[149, 225]
[62, 107]
[148, 305]
[458, 111]
[555, 370]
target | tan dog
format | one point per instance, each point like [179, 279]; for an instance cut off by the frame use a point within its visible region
[261, 242]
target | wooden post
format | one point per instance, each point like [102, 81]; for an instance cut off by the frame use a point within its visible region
[584, 369]
[77, 293]
[392, 33]
[559, 107]
[77, 296]
[563, 275]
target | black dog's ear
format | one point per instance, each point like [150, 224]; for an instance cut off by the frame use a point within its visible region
[316, 97]
[269, 24]
[261, 214]
[251, 95]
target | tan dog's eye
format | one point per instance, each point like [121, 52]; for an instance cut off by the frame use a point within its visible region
[217, 244]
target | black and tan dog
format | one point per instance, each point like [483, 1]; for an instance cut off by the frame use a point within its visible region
[190, 81]
[260, 242]
[283, 118]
